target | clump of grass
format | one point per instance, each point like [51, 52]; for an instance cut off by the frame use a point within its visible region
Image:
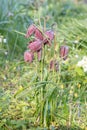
[74, 32]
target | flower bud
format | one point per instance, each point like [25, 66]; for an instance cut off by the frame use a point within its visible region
[64, 50]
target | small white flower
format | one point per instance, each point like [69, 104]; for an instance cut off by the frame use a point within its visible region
[76, 56]
[83, 63]
[76, 42]
[5, 78]
[85, 59]
[4, 40]
[79, 64]
[6, 53]
[85, 69]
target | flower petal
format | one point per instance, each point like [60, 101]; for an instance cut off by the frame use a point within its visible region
[39, 55]
[35, 46]
[28, 56]
[30, 30]
[64, 50]
[50, 36]
[38, 34]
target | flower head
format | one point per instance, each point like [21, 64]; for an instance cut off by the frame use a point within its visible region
[49, 37]
[64, 50]
[38, 34]
[30, 30]
[28, 56]
[83, 63]
[35, 46]
[50, 34]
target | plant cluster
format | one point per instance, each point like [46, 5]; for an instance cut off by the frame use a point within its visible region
[40, 40]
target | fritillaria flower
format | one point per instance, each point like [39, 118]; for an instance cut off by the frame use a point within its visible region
[38, 34]
[30, 31]
[49, 37]
[35, 45]
[64, 50]
[50, 34]
[28, 56]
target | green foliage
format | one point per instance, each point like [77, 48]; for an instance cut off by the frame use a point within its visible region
[74, 32]
[14, 16]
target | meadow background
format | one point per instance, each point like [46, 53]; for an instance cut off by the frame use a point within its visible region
[33, 97]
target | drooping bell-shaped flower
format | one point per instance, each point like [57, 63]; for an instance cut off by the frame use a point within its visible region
[28, 56]
[35, 45]
[64, 50]
[38, 34]
[30, 31]
[50, 34]
[49, 37]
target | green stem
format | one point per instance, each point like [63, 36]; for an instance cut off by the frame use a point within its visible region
[19, 32]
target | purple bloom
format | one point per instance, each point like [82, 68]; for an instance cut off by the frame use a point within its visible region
[50, 37]
[64, 50]
[35, 46]
[28, 56]
[30, 30]
[38, 34]
[50, 34]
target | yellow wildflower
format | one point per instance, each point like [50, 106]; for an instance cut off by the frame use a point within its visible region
[62, 86]
[75, 95]
[71, 92]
